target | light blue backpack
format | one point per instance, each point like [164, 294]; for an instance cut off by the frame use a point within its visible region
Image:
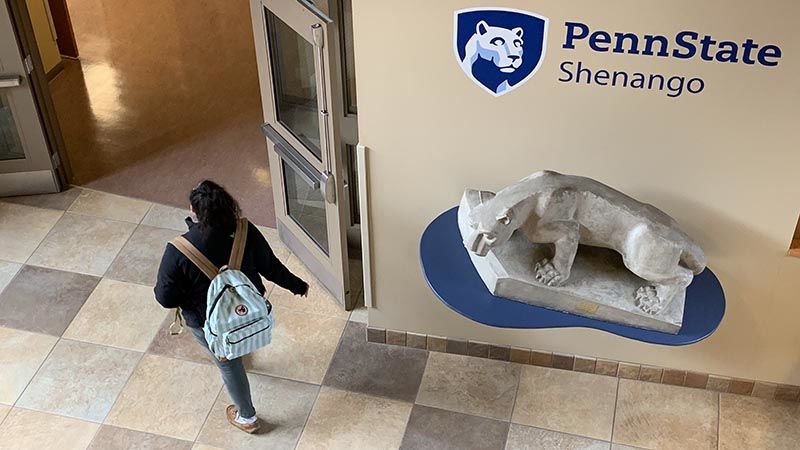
[238, 319]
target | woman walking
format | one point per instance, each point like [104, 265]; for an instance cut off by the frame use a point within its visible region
[183, 285]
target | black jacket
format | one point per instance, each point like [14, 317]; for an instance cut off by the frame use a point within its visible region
[181, 284]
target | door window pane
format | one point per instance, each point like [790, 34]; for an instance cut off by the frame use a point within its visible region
[295, 83]
[10, 145]
[306, 206]
[349, 56]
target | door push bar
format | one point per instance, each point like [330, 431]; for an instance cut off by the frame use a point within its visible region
[9, 81]
[325, 181]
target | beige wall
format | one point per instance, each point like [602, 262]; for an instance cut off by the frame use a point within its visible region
[45, 37]
[724, 163]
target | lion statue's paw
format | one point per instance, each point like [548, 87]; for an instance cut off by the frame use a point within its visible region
[647, 300]
[547, 274]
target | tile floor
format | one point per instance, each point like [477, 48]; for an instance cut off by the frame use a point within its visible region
[86, 362]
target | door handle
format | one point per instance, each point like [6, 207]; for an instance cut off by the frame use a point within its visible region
[328, 187]
[9, 81]
[318, 34]
[289, 155]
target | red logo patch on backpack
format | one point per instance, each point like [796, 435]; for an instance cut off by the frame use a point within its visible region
[241, 310]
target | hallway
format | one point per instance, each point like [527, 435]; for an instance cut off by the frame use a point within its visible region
[163, 97]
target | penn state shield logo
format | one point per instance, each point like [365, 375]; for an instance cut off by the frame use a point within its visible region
[499, 48]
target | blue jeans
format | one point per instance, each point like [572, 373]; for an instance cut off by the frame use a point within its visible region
[234, 377]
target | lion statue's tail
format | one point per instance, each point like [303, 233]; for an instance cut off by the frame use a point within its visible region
[693, 258]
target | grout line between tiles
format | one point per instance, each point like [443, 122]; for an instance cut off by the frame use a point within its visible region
[308, 417]
[208, 415]
[75, 200]
[719, 416]
[408, 420]
[424, 369]
[58, 414]
[38, 369]
[614, 415]
[126, 197]
[564, 433]
[20, 330]
[150, 209]
[261, 374]
[10, 408]
[96, 432]
[516, 394]
[81, 214]
[111, 346]
[47, 235]
[127, 381]
[330, 362]
[104, 277]
[117, 255]
[14, 277]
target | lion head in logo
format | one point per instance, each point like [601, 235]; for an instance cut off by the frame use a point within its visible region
[500, 46]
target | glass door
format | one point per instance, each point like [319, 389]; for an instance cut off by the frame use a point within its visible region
[298, 61]
[25, 163]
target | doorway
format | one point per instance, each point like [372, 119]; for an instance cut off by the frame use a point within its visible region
[308, 95]
[162, 95]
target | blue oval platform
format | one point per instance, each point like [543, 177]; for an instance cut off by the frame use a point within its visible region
[451, 275]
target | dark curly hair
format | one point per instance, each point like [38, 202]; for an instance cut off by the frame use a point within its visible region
[215, 208]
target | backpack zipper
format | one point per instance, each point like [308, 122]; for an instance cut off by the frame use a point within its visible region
[214, 306]
[228, 287]
[248, 337]
[241, 327]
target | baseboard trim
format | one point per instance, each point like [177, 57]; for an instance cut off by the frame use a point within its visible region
[587, 364]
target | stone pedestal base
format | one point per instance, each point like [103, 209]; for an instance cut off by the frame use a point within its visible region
[600, 286]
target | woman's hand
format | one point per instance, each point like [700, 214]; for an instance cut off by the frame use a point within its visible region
[305, 291]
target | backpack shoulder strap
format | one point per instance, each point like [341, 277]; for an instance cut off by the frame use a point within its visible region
[194, 255]
[239, 243]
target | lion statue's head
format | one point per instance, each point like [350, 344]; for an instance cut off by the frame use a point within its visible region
[501, 46]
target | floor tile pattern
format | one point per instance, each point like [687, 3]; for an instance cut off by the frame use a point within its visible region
[115, 438]
[22, 229]
[118, 314]
[8, 271]
[109, 206]
[437, 429]
[577, 403]
[61, 201]
[284, 408]
[527, 438]
[302, 346]
[388, 371]
[138, 261]
[155, 401]
[86, 361]
[470, 385]
[79, 380]
[653, 415]
[21, 355]
[23, 429]
[346, 420]
[82, 244]
[44, 300]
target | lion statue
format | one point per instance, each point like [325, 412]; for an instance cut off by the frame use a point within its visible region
[565, 210]
[500, 46]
